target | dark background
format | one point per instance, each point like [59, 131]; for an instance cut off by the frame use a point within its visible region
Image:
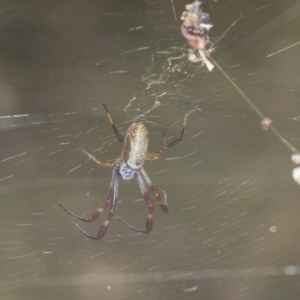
[233, 227]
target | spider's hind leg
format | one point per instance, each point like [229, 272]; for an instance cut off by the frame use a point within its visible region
[119, 137]
[176, 141]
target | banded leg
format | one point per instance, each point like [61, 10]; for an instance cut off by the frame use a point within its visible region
[111, 200]
[118, 135]
[157, 154]
[93, 216]
[163, 205]
[148, 200]
[96, 213]
[104, 227]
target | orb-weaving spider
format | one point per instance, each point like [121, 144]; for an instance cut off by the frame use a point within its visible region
[133, 155]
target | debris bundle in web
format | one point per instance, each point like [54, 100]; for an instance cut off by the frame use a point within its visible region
[195, 28]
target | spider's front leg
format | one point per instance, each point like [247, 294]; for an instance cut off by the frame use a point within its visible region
[163, 204]
[111, 201]
[142, 176]
[99, 211]
[149, 222]
[103, 228]
[157, 154]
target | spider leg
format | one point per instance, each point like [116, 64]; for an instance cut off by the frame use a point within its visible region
[148, 200]
[176, 141]
[85, 233]
[163, 205]
[100, 163]
[118, 135]
[113, 193]
[135, 228]
[131, 227]
[103, 228]
[96, 213]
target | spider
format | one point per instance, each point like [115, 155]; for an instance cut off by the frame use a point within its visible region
[133, 156]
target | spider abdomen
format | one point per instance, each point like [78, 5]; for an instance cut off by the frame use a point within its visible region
[125, 171]
[136, 145]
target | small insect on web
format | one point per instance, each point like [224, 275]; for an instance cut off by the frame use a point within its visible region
[133, 156]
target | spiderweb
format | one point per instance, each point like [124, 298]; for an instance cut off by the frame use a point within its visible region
[232, 229]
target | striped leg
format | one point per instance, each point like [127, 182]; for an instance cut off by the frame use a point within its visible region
[157, 154]
[111, 200]
[118, 135]
[148, 200]
[163, 205]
